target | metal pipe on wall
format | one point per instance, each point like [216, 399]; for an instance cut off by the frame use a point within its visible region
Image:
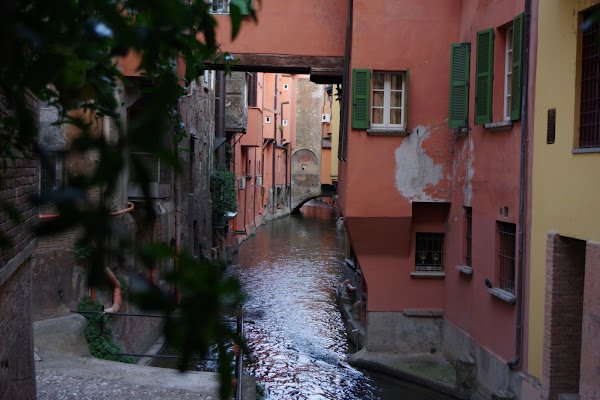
[522, 182]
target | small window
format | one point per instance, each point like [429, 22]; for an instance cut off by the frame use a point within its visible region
[468, 235]
[506, 235]
[508, 68]
[223, 6]
[286, 86]
[267, 120]
[429, 255]
[388, 100]
[589, 118]
[285, 122]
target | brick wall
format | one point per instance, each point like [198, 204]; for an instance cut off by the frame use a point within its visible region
[589, 384]
[17, 375]
[18, 181]
[565, 266]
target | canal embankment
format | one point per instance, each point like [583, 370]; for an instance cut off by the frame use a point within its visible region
[65, 370]
[430, 370]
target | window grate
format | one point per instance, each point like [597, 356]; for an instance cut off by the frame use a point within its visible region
[507, 233]
[429, 254]
[469, 235]
[589, 120]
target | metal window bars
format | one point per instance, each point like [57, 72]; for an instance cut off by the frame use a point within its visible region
[507, 233]
[469, 235]
[589, 118]
[429, 252]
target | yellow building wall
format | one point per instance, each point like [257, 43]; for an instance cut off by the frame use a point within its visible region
[566, 186]
[335, 137]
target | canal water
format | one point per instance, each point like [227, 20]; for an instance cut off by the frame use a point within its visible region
[290, 269]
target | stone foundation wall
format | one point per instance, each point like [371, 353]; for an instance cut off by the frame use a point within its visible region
[396, 333]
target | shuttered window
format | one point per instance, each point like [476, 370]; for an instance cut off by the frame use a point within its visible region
[484, 76]
[460, 54]
[517, 62]
[361, 79]
[253, 89]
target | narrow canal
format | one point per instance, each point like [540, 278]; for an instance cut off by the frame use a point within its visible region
[290, 268]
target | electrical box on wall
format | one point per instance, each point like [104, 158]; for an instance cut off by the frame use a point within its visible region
[242, 183]
[286, 86]
[267, 120]
[326, 118]
[258, 180]
[285, 122]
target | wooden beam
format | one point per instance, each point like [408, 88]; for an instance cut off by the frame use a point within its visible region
[321, 68]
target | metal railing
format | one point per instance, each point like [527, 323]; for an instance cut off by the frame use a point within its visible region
[239, 361]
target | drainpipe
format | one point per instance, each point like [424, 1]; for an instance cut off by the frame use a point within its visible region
[117, 298]
[522, 173]
[274, 144]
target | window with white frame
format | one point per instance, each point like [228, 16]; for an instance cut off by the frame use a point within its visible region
[388, 100]
[508, 73]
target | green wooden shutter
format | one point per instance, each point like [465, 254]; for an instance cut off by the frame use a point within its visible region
[484, 75]
[406, 100]
[517, 62]
[361, 87]
[460, 66]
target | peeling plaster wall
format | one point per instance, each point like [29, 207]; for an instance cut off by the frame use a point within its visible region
[415, 170]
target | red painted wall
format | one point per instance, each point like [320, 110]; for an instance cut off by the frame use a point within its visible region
[296, 27]
[378, 194]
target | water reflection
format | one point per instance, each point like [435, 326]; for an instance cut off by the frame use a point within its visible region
[290, 268]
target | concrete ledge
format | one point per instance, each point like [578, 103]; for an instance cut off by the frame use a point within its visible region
[428, 274]
[499, 126]
[387, 132]
[586, 150]
[503, 295]
[384, 363]
[423, 313]
[465, 269]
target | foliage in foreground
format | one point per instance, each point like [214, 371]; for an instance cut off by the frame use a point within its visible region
[63, 52]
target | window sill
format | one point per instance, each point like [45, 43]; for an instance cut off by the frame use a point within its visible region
[388, 132]
[586, 150]
[423, 313]
[461, 131]
[428, 275]
[465, 269]
[499, 126]
[503, 295]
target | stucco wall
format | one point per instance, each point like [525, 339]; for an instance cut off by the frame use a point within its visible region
[569, 211]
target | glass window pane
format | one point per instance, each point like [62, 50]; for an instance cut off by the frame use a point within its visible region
[378, 80]
[378, 99]
[396, 116]
[378, 115]
[396, 99]
[397, 82]
[508, 84]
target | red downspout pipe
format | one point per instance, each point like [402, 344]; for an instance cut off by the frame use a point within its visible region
[117, 298]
